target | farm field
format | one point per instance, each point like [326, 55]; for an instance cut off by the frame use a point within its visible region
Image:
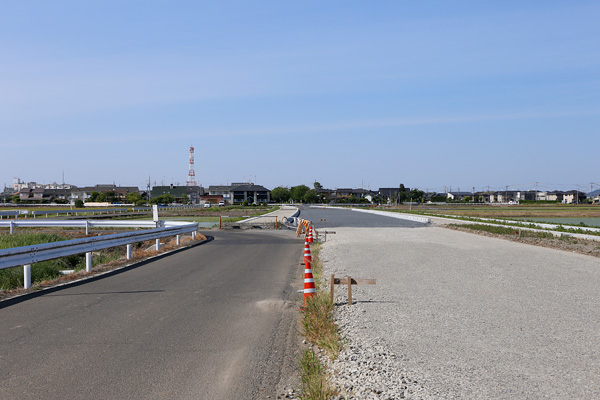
[510, 211]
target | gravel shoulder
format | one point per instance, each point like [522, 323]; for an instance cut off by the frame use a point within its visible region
[457, 315]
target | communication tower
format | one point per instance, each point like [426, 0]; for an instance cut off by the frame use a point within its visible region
[191, 181]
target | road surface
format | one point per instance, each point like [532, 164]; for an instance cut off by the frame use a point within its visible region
[217, 321]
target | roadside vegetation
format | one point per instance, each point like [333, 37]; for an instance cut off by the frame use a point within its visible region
[503, 221]
[12, 278]
[502, 230]
[48, 273]
[322, 333]
[536, 238]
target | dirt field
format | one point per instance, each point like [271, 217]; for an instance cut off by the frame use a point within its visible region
[588, 247]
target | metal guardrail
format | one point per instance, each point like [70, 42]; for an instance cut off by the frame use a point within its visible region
[18, 256]
[27, 255]
[78, 211]
[12, 224]
[12, 213]
[183, 207]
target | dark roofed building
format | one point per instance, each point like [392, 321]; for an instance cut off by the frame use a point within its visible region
[250, 193]
[57, 194]
[193, 192]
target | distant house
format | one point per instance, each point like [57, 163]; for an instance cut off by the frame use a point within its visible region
[458, 196]
[57, 194]
[211, 198]
[325, 194]
[223, 191]
[573, 197]
[193, 192]
[251, 193]
[120, 192]
[32, 195]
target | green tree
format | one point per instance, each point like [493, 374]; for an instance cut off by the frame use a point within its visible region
[402, 194]
[131, 198]
[110, 197]
[280, 194]
[298, 192]
[185, 199]
[317, 186]
[93, 197]
[16, 199]
[165, 198]
[135, 198]
[416, 195]
[79, 203]
[310, 196]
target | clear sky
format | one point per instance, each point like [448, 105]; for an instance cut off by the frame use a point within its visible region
[431, 94]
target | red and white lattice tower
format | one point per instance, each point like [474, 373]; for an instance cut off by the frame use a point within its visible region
[191, 181]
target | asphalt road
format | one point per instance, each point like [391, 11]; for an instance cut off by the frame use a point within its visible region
[333, 218]
[217, 321]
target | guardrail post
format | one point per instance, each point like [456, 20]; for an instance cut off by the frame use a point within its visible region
[12, 224]
[88, 262]
[178, 239]
[194, 235]
[157, 244]
[87, 227]
[129, 251]
[27, 276]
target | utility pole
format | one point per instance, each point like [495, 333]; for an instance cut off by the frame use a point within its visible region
[148, 190]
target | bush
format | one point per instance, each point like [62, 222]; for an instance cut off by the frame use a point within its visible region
[79, 203]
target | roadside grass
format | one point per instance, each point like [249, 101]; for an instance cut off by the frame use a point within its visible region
[320, 330]
[502, 230]
[559, 228]
[315, 385]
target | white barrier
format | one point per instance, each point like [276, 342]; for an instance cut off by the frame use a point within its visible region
[415, 218]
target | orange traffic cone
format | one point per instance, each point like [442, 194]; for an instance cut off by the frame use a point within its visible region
[309, 282]
[307, 255]
[310, 235]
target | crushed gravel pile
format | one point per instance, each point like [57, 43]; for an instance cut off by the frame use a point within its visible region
[460, 316]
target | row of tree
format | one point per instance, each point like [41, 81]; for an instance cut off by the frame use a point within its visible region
[304, 194]
[300, 193]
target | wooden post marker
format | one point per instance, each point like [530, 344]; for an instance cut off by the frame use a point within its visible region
[349, 281]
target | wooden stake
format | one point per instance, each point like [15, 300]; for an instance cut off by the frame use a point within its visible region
[349, 291]
[332, 283]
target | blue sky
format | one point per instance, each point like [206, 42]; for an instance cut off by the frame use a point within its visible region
[431, 94]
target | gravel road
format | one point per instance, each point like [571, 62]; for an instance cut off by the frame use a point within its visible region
[460, 316]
